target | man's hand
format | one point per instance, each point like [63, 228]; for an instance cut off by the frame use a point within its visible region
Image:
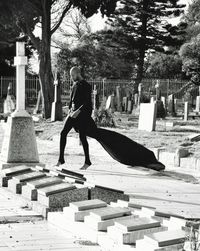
[74, 114]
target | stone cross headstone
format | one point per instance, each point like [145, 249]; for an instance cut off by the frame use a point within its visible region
[19, 143]
[186, 111]
[147, 117]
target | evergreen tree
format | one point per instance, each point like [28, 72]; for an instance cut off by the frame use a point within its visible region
[146, 24]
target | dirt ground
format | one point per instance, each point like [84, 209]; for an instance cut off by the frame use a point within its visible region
[166, 137]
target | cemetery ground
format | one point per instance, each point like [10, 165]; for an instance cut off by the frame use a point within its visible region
[175, 191]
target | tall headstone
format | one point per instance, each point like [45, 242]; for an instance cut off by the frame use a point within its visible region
[118, 97]
[139, 93]
[197, 104]
[147, 117]
[158, 90]
[56, 109]
[171, 105]
[19, 144]
[186, 111]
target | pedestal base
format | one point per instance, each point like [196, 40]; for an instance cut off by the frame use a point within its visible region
[19, 144]
[56, 111]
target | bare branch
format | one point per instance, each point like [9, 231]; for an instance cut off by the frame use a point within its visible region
[67, 8]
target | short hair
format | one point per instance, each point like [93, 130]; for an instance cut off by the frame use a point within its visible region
[75, 69]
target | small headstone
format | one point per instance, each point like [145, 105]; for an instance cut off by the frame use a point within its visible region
[163, 99]
[147, 117]
[125, 103]
[129, 108]
[108, 102]
[152, 100]
[169, 124]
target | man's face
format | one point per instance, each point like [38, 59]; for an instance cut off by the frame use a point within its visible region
[74, 75]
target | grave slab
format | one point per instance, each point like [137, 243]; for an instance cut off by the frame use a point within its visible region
[121, 236]
[78, 215]
[166, 238]
[87, 204]
[16, 183]
[30, 190]
[104, 217]
[137, 224]
[8, 173]
[61, 195]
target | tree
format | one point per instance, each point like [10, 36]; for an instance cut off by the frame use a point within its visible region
[50, 14]
[164, 66]
[95, 59]
[145, 23]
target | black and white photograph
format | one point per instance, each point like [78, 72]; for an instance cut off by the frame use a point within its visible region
[100, 125]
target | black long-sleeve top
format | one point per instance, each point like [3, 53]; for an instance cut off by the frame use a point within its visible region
[81, 95]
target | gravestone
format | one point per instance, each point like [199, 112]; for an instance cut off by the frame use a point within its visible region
[197, 104]
[118, 98]
[19, 143]
[125, 103]
[129, 107]
[56, 109]
[158, 90]
[147, 117]
[163, 99]
[9, 102]
[171, 105]
[186, 111]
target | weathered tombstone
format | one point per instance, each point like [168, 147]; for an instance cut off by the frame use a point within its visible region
[197, 104]
[39, 101]
[147, 117]
[125, 103]
[129, 107]
[158, 90]
[139, 93]
[171, 105]
[152, 100]
[118, 96]
[163, 99]
[9, 103]
[186, 111]
[19, 143]
[56, 109]
[94, 97]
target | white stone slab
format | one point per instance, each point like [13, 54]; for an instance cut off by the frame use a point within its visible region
[87, 204]
[46, 191]
[110, 213]
[166, 238]
[137, 224]
[44, 182]
[147, 117]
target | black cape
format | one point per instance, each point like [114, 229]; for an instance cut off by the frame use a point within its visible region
[123, 149]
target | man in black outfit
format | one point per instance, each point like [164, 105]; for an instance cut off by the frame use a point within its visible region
[79, 116]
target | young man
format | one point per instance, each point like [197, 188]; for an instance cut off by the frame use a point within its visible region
[79, 117]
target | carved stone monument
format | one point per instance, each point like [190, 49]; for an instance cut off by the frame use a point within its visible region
[19, 144]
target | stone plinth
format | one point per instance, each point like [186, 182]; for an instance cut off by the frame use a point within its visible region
[19, 144]
[8, 173]
[163, 241]
[30, 190]
[104, 217]
[107, 194]
[78, 210]
[56, 198]
[16, 183]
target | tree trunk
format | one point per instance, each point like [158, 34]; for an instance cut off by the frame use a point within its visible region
[45, 73]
